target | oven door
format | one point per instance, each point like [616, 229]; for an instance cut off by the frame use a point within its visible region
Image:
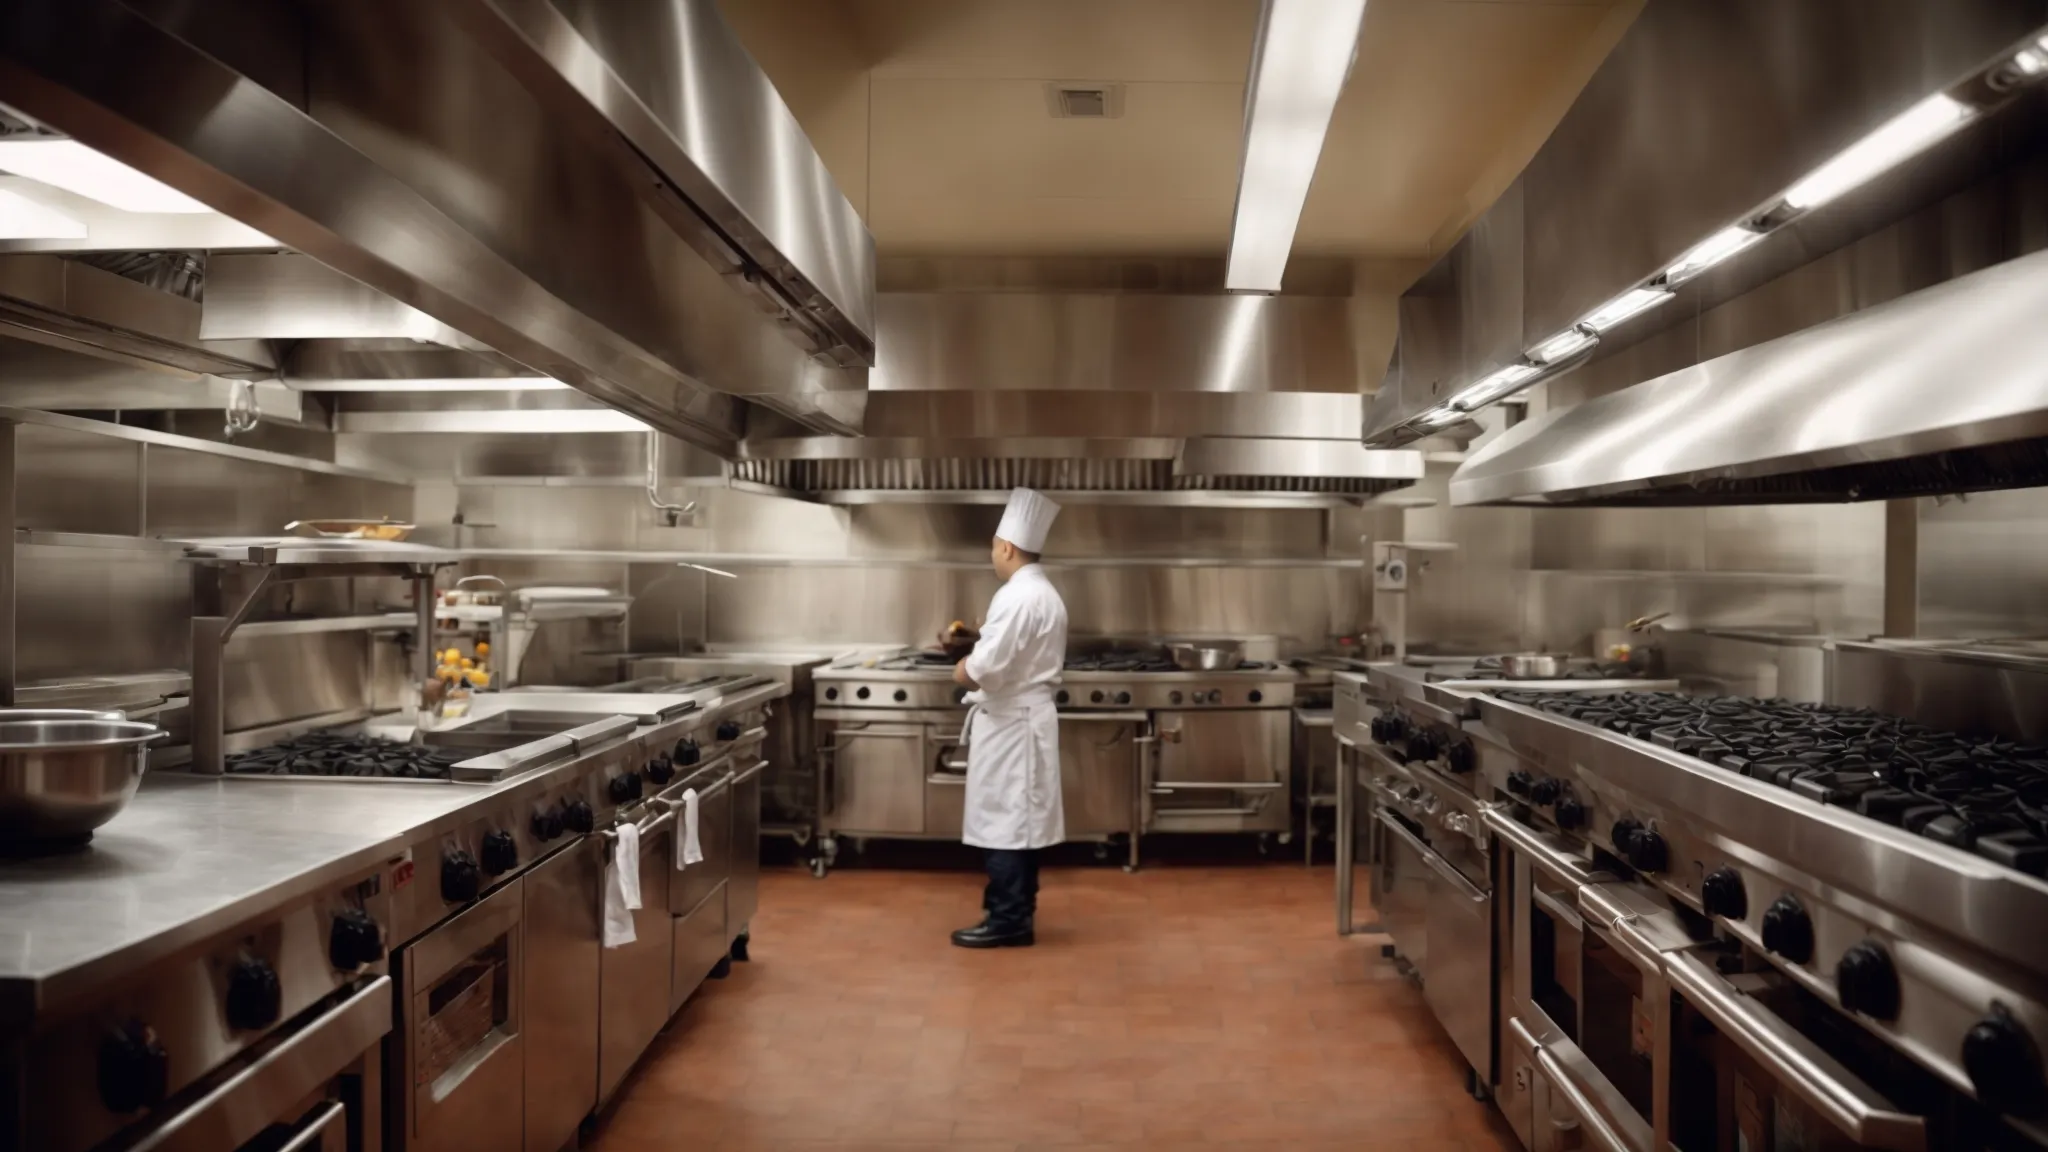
[1400, 889]
[314, 1088]
[1455, 953]
[1221, 771]
[875, 778]
[460, 1040]
[1099, 771]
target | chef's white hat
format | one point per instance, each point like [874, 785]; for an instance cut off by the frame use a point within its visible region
[1027, 519]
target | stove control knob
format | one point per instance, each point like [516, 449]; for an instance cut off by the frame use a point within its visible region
[730, 729]
[1569, 813]
[1431, 803]
[353, 940]
[1623, 836]
[1397, 726]
[1255, 696]
[1462, 756]
[1095, 697]
[1458, 822]
[1545, 791]
[1123, 697]
[500, 853]
[1788, 930]
[577, 816]
[661, 769]
[255, 999]
[1651, 852]
[687, 752]
[1060, 697]
[1173, 697]
[546, 824]
[831, 693]
[625, 788]
[1867, 981]
[1519, 782]
[1378, 728]
[862, 693]
[134, 1069]
[460, 878]
[900, 697]
[1215, 695]
[1722, 894]
[2003, 1063]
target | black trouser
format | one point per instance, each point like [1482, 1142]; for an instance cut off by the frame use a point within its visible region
[1011, 897]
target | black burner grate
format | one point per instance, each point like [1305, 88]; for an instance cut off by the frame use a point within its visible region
[347, 754]
[1988, 796]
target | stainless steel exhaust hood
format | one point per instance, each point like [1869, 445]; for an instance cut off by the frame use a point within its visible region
[610, 194]
[1941, 391]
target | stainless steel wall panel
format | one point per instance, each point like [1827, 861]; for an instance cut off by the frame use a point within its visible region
[1013, 341]
[273, 678]
[68, 481]
[1981, 562]
[1119, 415]
[99, 611]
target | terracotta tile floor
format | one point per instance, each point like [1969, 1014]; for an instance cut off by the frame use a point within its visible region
[1181, 1007]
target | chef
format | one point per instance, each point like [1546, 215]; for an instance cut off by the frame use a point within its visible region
[1012, 732]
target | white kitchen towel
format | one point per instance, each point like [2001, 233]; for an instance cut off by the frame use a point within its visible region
[688, 849]
[622, 887]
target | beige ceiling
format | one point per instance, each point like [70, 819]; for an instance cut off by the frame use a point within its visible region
[933, 116]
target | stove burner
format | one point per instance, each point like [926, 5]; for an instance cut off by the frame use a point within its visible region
[1121, 661]
[926, 658]
[347, 754]
[1987, 796]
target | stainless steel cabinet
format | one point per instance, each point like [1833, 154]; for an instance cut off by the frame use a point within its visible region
[700, 943]
[1458, 982]
[1221, 771]
[461, 1042]
[689, 887]
[1099, 772]
[564, 898]
[633, 986]
[878, 779]
[1400, 890]
[743, 887]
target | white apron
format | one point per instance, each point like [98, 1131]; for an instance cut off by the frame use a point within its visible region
[1013, 771]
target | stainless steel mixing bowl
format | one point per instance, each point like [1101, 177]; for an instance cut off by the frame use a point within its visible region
[60, 779]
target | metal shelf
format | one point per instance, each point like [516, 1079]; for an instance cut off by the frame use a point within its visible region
[383, 621]
[759, 560]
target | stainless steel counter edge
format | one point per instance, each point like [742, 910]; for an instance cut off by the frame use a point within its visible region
[424, 812]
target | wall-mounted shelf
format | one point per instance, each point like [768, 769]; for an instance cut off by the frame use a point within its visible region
[313, 625]
[762, 560]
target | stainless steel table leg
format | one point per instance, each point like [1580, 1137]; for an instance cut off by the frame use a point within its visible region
[1346, 830]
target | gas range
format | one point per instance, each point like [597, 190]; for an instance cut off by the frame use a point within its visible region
[925, 681]
[347, 754]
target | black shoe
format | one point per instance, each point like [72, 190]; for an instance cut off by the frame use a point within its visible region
[984, 936]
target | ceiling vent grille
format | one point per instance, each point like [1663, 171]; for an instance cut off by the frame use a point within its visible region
[966, 474]
[1084, 100]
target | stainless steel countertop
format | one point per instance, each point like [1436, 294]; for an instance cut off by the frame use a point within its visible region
[193, 855]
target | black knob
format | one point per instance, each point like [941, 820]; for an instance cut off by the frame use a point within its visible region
[1123, 697]
[862, 693]
[661, 770]
[134, 1069]
[1173, 697]
[1569, 813]
[1788, 930]
[1545, 791]
[687, 752]
[255, 998]
[500, 853]
[1060, 697]
[353, 940]
[1095, 697]
[1722, 894]
[1215, 695]
[1255, 696]
[546, 824]
[2003, 1063]
[730, 729]
[1867, 981]
[1397, 725]
[577, 816]
[461, 880]
[1519, 782]
[831, 693]
[1651, 852]
[1623, 836]
[1378, 728]
[625, 788]
[1462, 756]
[901, 696]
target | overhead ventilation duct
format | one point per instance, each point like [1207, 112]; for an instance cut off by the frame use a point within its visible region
[73, 306]
[1941, 391]
[610, 194]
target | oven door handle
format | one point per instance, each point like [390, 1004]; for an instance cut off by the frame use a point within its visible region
[1528, 844]
[232, 1114]
[325, 1129]
[1436, 862]
[1218, 786]
[1849, 1104]
[1604, 1131]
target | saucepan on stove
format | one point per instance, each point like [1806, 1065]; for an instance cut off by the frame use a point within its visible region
[1206, 655]
[1533, 666]
[60, 779]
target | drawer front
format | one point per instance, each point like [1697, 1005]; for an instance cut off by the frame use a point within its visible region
[689, 887]
[700, 943]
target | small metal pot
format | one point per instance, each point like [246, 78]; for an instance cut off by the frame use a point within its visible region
[1206, 655]
[1532, 666]
[60, 779]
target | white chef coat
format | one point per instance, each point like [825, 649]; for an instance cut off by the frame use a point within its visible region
[1012, 733]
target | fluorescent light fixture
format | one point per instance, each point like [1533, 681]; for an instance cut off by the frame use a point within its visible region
[429, 384]
[1299, 63]
[2033, 61]
[72, 166]
[1563, 346]
[1902, 136]
[23, 219]
[1494, 386]
[1709, 252]
[1633, 302]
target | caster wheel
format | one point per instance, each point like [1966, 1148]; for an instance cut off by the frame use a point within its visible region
[722, 969]
[1475, 1086]
[1287, 837]
[1265, 844]
[818, 867]
[1130, 869]
[1102, 851]
[829, 849]
[1386, 951]
[739, 947]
